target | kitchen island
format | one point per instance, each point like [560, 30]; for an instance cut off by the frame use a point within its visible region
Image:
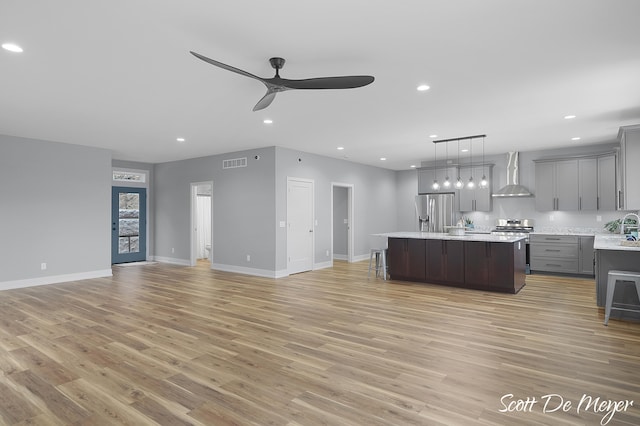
[476, 261]
[612, 255]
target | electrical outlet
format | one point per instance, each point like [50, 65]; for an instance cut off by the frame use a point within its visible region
[173, 249]
[598, 218]
[551, 218]
[248, 258]
[327, 253]
[43, 266]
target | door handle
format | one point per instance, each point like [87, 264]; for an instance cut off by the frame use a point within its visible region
[310, 230]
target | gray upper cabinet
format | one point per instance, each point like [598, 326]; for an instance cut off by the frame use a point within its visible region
[597, 182]
[607, 182]
[585, 183]
[545, 187]
[629, 162]
[588, 183]
[557, 185]
[477, 199]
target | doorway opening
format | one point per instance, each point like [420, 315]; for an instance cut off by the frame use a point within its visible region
[342, 241]
[201, 234]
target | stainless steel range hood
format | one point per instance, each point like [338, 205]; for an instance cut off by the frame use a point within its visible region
[513, 188]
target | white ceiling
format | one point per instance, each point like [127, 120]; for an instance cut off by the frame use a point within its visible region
[117, 74]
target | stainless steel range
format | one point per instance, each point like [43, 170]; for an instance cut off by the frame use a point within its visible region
[519, 227]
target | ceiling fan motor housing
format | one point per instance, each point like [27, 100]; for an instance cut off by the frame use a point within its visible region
[277, 63]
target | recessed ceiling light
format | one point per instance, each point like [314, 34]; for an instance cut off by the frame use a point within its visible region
[383, 158]
[268, 121]
[413, 166]
[577, 138]
[12, 47]
[180, 139]
[569, 117]
[433, 136]
[340, 148]
[464, 150]
[422, 88]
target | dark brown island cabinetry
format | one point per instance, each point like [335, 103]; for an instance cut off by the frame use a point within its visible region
[481, 265]
[406, 258]
[445, 261]
[493, 266]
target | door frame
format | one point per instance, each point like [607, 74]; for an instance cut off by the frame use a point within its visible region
[350, 215]
[313, 218]
[142, 226]
[193, 220]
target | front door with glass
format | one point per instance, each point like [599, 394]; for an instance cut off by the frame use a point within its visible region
[128, 224]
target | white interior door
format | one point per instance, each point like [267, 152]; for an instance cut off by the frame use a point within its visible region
[300, 225]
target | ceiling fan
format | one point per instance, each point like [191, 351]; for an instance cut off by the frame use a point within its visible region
[277, 84]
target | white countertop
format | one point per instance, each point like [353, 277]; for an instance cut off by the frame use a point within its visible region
[612, 242]
[445, 236]
[567, 232]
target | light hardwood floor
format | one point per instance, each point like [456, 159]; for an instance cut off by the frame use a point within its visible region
[176, 345]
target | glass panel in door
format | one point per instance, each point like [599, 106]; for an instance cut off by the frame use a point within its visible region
[128, 225]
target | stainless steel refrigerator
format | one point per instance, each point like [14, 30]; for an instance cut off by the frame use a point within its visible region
[435, 211]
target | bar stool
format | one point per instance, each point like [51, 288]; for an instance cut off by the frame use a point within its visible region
[378, 245]
[612, 280]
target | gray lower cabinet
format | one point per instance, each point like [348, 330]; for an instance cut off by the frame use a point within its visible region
[587, 256]
[569, 254]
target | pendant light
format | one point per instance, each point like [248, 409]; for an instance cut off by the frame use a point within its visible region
[459, 183]
[484, 182]
[471, 184]
[447, 182]
[436, 185]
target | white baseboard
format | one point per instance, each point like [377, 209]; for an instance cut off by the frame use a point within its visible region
[360, 258]
[247, 271]
[340, 257]
[282, 273]
[322, 265]
[171, 260]
[55, 279]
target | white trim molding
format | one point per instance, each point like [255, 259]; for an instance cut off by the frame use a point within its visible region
[55, 279]
[172, 260]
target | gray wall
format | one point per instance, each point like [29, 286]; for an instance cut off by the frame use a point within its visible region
[374, 192]
[406, 191]
[249, 203]
[243, 209]
[55, 207]
[340, 213]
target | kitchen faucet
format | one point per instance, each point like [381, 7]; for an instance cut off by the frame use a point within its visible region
[625, 218]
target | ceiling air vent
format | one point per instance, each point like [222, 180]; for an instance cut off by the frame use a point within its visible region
[234, 163]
